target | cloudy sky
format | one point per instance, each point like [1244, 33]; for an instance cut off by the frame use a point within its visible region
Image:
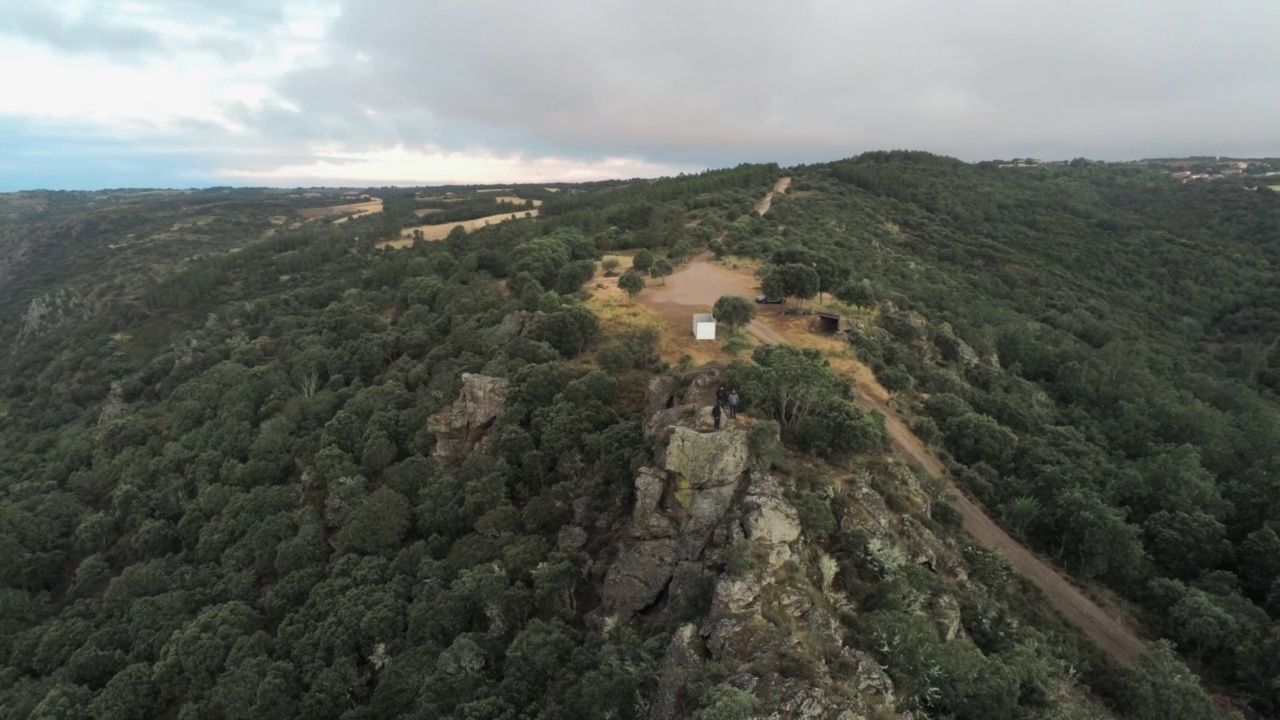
[182, 93]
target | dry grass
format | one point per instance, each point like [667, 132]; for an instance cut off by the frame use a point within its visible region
[617, 312]
[442, 230]
[747, 265]
[515, 200]
[1275, 187]
[674, 322]
[800, 331]
[426, 211]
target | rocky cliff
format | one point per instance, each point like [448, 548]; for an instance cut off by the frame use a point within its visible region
[463, 429]
[704, 517]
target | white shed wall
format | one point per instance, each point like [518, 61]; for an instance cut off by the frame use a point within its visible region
[704, 327]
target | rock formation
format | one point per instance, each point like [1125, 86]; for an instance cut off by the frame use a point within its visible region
[770, 624]
[517, 323]
[464, 428]
[51, 310]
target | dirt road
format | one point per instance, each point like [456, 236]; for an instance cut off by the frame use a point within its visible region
[1115, 639]
[696, 287]
[762, 206]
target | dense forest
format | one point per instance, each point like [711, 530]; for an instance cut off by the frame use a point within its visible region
[220, 494]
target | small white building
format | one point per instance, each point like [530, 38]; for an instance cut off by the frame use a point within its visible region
[704, 326]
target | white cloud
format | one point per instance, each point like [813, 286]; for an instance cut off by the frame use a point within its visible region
[187, 81]
[402, 166]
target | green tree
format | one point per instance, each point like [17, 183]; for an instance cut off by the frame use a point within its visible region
[574, 275]
[800, 281]
[379, 522]
[661, 268]
[733, 311]
[569, 331]
[1160, 682]
[642, 261]
[786, 382]
[631, 283]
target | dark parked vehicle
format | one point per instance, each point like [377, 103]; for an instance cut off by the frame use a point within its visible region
[765, 300]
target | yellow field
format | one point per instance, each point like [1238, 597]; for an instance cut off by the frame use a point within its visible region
[515, 200]
[442, 230]
[374, 205]
[426, 211]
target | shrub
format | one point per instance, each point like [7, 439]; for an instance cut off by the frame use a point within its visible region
[895, 379]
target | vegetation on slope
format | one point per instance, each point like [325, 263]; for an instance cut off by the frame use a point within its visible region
[217, 497]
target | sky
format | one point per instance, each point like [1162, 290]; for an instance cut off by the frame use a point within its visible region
[193, 93]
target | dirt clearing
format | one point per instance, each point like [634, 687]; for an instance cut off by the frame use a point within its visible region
[697, 285]
[673, 323]
[442, 230]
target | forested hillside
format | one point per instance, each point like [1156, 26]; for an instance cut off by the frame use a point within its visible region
[267, 469]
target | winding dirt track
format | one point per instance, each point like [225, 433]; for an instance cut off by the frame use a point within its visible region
[1109, 633]
[697, 285]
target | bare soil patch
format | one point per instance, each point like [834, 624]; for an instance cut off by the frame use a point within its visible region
[442, 230]
[697, 285]
[781, 186]
[673, 322]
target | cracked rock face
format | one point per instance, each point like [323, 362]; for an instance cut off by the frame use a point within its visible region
[684, 654]
[707, 459]
[638, 575]
[678, 509]
[769, 518]
[464, 428]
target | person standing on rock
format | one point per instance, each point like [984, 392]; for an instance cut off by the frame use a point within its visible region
[722, 395]
[715, 414]
[733, 404]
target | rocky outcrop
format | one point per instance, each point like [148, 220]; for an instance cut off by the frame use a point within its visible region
[679, 504]
[638, 576]
[50, 311]
[945, 612]
[464, 428]
[678, 508]
[521, 321]
[896, 539]
[684, 654]
[705, 521]
[706, 460]
[792, 651]
[114, 406]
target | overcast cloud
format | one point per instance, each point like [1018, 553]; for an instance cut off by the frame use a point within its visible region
[191, 92]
